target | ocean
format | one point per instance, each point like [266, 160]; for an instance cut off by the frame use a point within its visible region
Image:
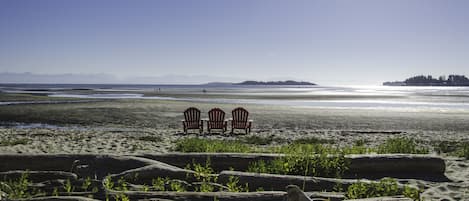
[440, 99]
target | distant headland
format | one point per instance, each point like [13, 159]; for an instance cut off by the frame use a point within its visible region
[287, 82]
[250, 82]
[421, 80]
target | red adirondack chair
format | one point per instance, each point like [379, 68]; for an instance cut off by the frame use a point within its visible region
[240, 120]
[192, 120]
[216, 120]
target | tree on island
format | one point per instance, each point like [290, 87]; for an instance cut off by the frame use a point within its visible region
[421, 80]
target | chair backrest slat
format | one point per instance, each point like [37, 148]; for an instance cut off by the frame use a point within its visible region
[192, 114]
[240, 115]
[216, 115]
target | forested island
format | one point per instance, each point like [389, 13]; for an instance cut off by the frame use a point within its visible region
[288, 82]
[421, 80]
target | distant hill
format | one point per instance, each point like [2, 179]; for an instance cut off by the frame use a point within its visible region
[421, 80]
[288, 82]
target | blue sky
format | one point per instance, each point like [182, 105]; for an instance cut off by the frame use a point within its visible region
[328, 42]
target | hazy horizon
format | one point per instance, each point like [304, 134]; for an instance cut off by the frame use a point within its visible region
[362, 42]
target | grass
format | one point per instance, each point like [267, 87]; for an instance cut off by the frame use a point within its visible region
[401, 145]
[19, 188]
[305, 159]
[207, 145]
[464, 150]
[385, 187]
[313, 140]
[302, 157]
[14, 142]
[258, 140]
[459, 149]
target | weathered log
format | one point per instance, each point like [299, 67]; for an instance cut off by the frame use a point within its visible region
[277, 182]
[58, 198]
[203, 196]
[370, 166]
[218, 161]
[397, 198]
[84, 165]
[145, 175]
[397, 165]
[37, 176]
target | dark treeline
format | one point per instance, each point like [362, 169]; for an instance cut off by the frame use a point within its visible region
[421, 80]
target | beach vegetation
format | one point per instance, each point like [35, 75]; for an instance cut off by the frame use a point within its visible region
[464, 150]
[313, 140]
[304, 159]
[19, 188]
[458, 149]
[86, 184]
[166, 184]
[204, 174]
[259, 140]
[402, 145]
[68, 187]
[233, 185]
[13, 142]
[385, 187]
[208, 145]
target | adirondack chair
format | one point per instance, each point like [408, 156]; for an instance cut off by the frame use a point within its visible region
[192, 120]
[240, 120]
[216, 120]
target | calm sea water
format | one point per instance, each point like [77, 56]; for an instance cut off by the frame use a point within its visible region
[444, 99]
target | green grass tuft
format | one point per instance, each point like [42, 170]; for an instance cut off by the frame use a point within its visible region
[14, 142]
[206, 145]
[313, 140]
[401, 145]
[385, 187]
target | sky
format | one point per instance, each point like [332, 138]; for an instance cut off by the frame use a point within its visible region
[327, 42]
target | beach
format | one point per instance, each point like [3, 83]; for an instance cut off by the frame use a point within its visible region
[129, 126]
